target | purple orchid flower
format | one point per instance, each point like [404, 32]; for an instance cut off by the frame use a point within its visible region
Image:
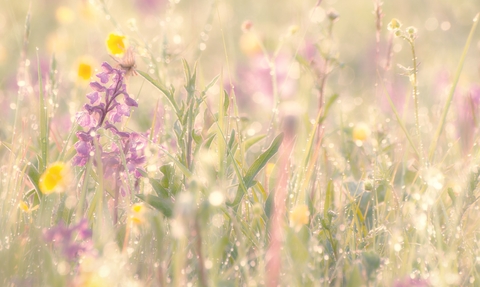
[72, 241]
[110, 103]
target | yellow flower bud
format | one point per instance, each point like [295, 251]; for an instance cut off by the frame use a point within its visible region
[299, 216]
[394, 25]
[293, 29]
[23, 206]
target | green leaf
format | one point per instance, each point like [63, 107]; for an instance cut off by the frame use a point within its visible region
[297, 248]
[208, 119]
[189, 77]
[209, 141]
[226, 101]
[159, 189]
[303, 61]
[164, 205]
[193, 78]
[248, 143]
[8, 146]
[452, 196]
[328, 200]
[186, 70]
[34, 177]
[168, 185]
[179, 132]
[162, 88]
[73, 129]
[269, 204]
[197, 137]
[255, 168]
[170, 181]
[328, 105]
[29, 193]
[231, 141]
[355, 279]
[157, 85]
[182, 168]
[168, 172]
[262, 160]
[262, 190]
[209, 85]
[372, 262]
[142, 172]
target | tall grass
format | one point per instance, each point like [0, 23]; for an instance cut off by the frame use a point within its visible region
[274, 156]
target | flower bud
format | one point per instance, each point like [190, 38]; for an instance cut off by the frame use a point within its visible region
[412, 32]
[394, 25]
[332, 14]
[368, 185]
[246, 26]
[293, 29]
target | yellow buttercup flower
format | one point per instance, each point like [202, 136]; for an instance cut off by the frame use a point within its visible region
[115, 44]
[361, 132]
[84, 71]
[85, 68]
[299, 216]
[137, 214]
[54, 179]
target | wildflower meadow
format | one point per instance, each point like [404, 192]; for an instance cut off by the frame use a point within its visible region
[239, 143]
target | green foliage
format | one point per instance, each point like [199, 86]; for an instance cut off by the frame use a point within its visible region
[254, 169]
[219, 196]
[166, 188]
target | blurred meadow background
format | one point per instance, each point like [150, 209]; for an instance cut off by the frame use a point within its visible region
[239, 143]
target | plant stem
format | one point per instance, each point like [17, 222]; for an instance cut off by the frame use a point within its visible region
[415, 97]
[201, 264]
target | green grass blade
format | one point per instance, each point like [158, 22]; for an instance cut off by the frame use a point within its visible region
[438, 132]
[73, 129]
[162, 89]
[251, 141]
[328, 199]
[182, 167]
[257, 165]
[262, 160]
[43, 121]
[221, 130]
[308, 162]
[399, 121]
